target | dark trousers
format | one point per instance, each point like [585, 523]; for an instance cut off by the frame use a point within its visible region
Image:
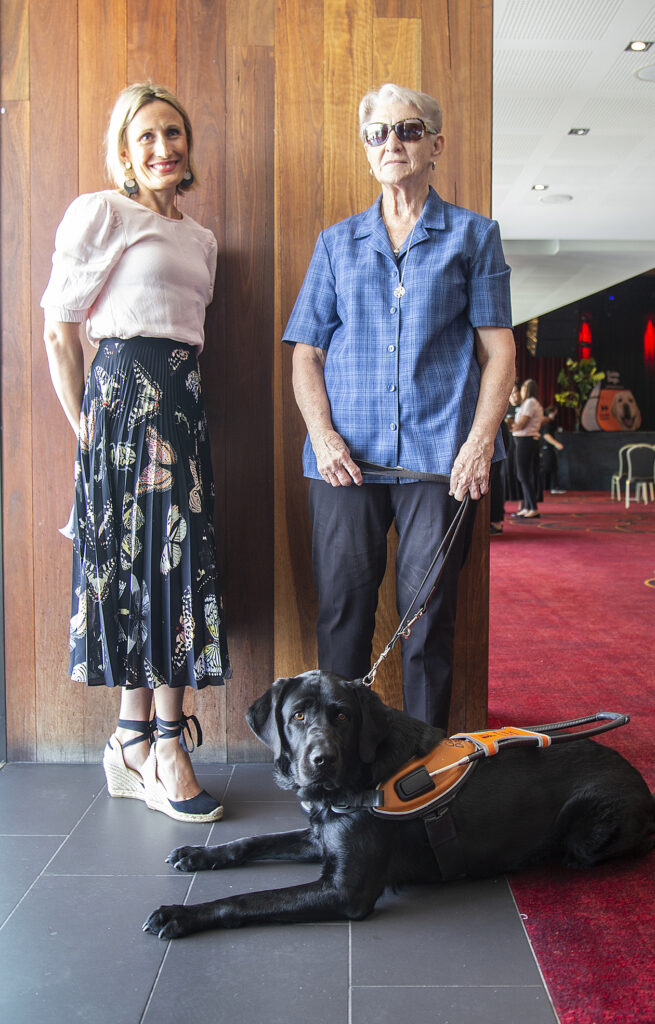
[527, 456]
[550, 479]
[349, 555]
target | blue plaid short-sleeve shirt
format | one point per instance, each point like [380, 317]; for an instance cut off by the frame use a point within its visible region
[401, 373]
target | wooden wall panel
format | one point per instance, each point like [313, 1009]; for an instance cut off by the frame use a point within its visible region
[249, 402]
[349, 67]
[152, 42]
[299, 33]
[15, 77]
[201, 85]
[17, 429]
[102, 62]
[272, 87]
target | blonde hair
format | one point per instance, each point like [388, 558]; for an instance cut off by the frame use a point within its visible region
[427, 106]
[129, 102]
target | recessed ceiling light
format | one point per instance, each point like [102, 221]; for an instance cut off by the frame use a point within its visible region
[579, 131]
[539, 188]
[646, 74]
[556, 198]
[639, 45]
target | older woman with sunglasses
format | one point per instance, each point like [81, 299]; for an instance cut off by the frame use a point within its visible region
[404, 356]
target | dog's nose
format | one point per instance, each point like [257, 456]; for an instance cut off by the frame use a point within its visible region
[323, 758]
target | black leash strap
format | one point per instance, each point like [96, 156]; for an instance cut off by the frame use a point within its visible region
[406, 623]
[375, 469]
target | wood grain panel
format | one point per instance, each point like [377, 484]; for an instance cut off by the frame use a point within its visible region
[17, 433]
[54, 116]
[102, 63]
[250, 23]
[348, 76]
[397, 51]
[398, 8]
[457, 56]
[14, 68]
[249, 403]
[201, 87]
[471, 27]
[152, 42]
[299, 189]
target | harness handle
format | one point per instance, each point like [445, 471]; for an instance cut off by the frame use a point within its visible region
[608, 719]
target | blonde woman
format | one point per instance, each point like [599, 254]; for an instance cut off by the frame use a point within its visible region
[146, 606]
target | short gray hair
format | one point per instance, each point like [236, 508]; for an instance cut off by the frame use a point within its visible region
[128, 104]
[427, 106]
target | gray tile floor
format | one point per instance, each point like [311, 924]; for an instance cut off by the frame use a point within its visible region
[79, 873]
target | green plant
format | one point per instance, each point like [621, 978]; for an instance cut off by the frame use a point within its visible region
[576, 381]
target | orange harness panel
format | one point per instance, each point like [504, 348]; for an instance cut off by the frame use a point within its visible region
[435, 778]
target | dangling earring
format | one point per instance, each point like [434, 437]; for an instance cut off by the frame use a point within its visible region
[130, 185]
[433, 165]
[187, 178]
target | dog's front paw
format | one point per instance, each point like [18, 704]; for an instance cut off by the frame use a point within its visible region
[189, 858]
[170, 922]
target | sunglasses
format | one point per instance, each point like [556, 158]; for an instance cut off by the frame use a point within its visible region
[410, 129]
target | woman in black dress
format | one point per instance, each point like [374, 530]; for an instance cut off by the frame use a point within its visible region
[146, 613]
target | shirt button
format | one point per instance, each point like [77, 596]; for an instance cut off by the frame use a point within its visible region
[393, 309]
[393, 426]
[391, 387]
[391, 348]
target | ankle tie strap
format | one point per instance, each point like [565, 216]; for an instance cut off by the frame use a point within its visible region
[169, 730]
[145, 730]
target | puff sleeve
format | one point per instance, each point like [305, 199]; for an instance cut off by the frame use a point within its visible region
[89, 242]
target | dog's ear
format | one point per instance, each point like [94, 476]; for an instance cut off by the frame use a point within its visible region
[376, 722]
[264, 717]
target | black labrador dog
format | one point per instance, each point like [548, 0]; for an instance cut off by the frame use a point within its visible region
[333, 740]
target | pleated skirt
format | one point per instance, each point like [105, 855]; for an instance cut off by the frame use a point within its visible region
[146, 604]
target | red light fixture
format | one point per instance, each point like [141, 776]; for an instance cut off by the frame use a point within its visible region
[584, 341]
[649, 345]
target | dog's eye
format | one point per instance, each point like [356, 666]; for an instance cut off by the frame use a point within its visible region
[299, 716]
[342, 717]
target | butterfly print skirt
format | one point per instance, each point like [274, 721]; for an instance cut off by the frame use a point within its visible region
[146, 605]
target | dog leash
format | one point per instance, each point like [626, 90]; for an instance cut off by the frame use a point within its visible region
[408, 621]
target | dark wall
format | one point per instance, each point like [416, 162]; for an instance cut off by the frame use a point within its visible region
[618, 319]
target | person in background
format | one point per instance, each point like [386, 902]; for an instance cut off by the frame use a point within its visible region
[549, 446]
[403, 356]
[525, 432]
[147, 615]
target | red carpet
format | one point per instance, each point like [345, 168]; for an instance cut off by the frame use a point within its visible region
[572, 623]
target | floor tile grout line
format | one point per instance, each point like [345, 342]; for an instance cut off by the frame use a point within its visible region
[169, 943]
[509, 988]
[350, 972]
[33, 835]
[46, 866]
[534, 955]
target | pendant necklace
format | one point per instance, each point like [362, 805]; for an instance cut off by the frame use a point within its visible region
[399, 291]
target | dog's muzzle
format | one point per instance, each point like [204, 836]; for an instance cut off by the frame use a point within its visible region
[321, 763]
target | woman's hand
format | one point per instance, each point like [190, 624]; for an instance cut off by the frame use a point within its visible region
[470, 472]
[333, 459]
[66, 363]
[331, 451]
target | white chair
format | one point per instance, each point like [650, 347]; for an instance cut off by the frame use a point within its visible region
[640, 461]
[620, 474]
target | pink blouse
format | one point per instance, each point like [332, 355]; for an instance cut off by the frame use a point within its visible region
[129, 271]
